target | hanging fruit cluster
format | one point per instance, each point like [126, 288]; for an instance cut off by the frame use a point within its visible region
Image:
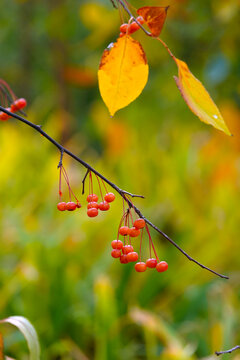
[9, 101]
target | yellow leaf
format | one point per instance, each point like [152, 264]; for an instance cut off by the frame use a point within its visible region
[123, 73]
[197, 98]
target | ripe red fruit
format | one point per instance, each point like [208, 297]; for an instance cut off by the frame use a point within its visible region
[93, 212]
[123, 259]
[18, 104]
[117, 244]
[92, 197]
[104, 206]
[151, 263]
[4, 116]
[116, 253]
[141, 20]
[109, 197]
[140, 267]
[133, 27]
[70, 206]
[124, 230]
[61, 206]
[132, 256]
[92, 204]
[139, 223]
[78, 205]
[124, 28]
[121, 34]
[127, 249]
[133, 232]
[162, 266]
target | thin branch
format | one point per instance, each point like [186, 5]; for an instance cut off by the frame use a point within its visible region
[121, 192]
[227, 351]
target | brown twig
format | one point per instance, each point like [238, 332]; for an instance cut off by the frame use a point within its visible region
[121, 192]
[227, 351]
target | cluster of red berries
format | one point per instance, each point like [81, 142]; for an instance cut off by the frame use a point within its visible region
[93, 205]
[17, 105]
[131, 27]
[125, 251]
[92, 199]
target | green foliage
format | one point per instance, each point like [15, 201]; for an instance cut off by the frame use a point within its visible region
[56, 268]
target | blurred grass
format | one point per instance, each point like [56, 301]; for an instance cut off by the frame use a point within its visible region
[56, 268]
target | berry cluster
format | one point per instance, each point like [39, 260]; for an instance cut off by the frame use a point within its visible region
[70, 205]
[131, 27]
[125, 250]
[8, 97]
[93, 205]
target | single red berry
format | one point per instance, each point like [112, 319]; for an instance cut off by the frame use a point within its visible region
[123, 259]
[4, 116]
[132, 256]
[92, 197]
[133, 232]
[141, 20]
[93, 212]
[140, 267]
[92, 204]
[18, 104]
[162, 266]
[117, 244]
[151, 263]
[78, 205]
[139, 223]
[127, 249]
[133, 27]
[109, 197]
[62, 206]
[121, 34]
[70, 206]
[124, 230]
[104, 206]
[116, 253]
[124, 28]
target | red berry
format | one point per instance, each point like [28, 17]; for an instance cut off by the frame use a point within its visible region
[4, 116]
[132, 256]
[116, 253]
[70, 206]
[18, 104]
[139, 223]
[133, 232]
[127, 249]
[92, 197]
[104, 206]
[162, 266]
[121, 34]
[117, 244]
[151, 263]
[124, 28]
[92, 204]
[93, 212]
[133, 27]
[61, 206]
[123, 259]
[78, 205]
[140, 267]
[109, 197]
[124, 230]
[141, 20]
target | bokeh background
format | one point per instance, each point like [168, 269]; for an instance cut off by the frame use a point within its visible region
[56, 268]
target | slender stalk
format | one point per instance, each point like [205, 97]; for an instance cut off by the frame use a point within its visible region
[121, 192]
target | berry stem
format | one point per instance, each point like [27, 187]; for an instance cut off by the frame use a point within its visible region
[121, 192]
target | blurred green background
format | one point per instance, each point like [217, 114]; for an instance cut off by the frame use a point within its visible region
[56, 268]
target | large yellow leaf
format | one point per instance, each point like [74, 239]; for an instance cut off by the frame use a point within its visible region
[197, 98]
[123, 73]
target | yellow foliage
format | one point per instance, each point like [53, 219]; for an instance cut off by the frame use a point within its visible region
[123, 73]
